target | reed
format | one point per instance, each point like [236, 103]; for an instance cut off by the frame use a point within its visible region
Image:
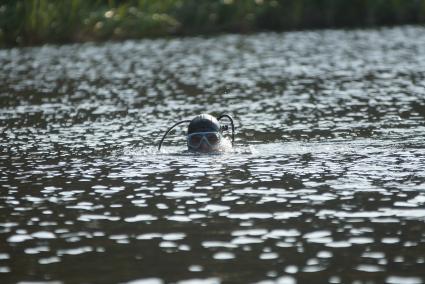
[24, 22]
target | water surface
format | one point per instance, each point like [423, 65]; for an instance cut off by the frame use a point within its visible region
[326, 182]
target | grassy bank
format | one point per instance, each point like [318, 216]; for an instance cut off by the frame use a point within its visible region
[24, 22]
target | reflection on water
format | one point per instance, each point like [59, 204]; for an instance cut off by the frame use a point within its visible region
[325, 184]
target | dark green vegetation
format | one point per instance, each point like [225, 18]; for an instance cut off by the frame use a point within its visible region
[25, 22]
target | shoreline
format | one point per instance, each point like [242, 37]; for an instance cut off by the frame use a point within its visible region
[38, 22]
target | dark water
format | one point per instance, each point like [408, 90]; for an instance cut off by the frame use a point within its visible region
[326, 183]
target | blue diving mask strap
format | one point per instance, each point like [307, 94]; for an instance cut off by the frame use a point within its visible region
[231, 122]
[169, 129]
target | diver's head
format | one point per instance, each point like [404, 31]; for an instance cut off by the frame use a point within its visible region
[203, 134]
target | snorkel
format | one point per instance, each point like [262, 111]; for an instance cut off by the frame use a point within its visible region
[204, 133]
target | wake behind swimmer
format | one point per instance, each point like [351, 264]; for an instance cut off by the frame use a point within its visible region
[205, 133]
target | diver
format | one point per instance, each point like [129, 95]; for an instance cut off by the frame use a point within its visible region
[205, 133]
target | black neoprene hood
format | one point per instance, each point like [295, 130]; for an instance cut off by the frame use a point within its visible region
[203, 123]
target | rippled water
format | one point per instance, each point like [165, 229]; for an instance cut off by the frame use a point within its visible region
[326, 183]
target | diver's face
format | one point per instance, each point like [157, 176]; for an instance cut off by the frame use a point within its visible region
[204, 147]
[204, 141]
